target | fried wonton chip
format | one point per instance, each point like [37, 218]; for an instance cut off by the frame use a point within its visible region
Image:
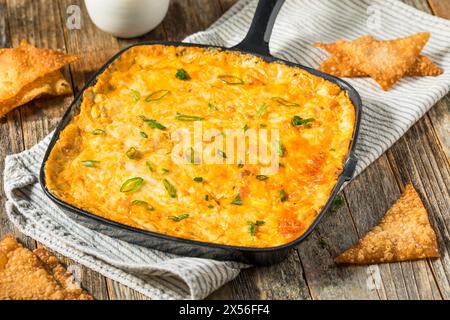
[22, 66]
[404, 233]
[341, 66]
[52, 84]
[384, 61]
[23, 275]
[61, 275]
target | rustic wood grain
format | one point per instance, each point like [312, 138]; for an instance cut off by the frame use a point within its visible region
[440, 8]
[421, 161]
[325, 279]
[421, 157]
[189, 16]
[369, 196]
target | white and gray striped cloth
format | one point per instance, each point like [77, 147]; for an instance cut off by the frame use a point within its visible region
[387, 115]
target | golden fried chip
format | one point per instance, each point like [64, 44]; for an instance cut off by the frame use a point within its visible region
[384, 61]
[341, 66]
[23, 65]
[52, 84]
[24, 276]
[404, 233]
[61, 275]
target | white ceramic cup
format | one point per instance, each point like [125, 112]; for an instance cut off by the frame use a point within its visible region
[127, 18]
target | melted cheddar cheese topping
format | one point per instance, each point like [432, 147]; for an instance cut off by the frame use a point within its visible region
[115, 158]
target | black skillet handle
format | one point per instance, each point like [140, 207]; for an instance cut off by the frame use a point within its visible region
[258, 36]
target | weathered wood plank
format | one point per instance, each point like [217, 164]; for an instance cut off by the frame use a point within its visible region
[39, 117]
[189, 16]
[439, 114]
[226, 4]
[440, 8]
[282, 281]
[422, 161]
[369, 196]
[95, 47]
[325, 279]
[11, 136]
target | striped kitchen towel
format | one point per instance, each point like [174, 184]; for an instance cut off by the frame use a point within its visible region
[387, 115]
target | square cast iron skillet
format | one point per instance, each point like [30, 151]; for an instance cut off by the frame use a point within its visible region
[256, 43]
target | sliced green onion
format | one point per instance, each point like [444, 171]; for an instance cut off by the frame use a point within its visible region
[157, 95]
[98, 132]
[245, 128]
[180, 53]
[281, 150]
[237, 200]
[170, 188]
[212, 107]
[284, 102]
[182, 74]
[261, 109]
[252, 226]
[132, 184]
[153, 123]
[222, 154]
[228, 79]
[198, 179]
[283, 195]
[165, 171]
[210, 206]
[132, 153]
[184, 117]
[240, 164]
[191, 155]
[144, 204]
[135, 95]
[207, 197]
[261, 177]
[299, 121]
[149, 166]
[89, 163]
[178, 218]
[143, 134]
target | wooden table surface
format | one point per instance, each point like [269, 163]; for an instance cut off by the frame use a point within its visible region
[420, 157]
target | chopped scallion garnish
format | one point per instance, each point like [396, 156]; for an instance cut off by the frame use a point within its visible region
[98, 132]
[132, 184]
[182, 74]
[283, 195]
[153, 123]
[198, 179]
[222, 154]
[89, 163]
[212, 107]
[261, 177]
[143, 134]
[170, 188]
[261, 109]
[135, 95]
[144, 204]
[237, 200]
[228, 79]
[178, 218]
[149, 166]
[299, 121]
[184, 117]
[252, 226]
[132, 153]
[157, 95]
[284, 102]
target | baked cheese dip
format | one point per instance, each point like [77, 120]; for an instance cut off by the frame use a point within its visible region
[121, 157]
